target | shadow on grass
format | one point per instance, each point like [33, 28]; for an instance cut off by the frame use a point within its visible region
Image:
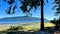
[17, 32]
[14, 31]
[21, 32]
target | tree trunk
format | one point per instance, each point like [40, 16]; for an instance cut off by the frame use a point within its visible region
[42, 15]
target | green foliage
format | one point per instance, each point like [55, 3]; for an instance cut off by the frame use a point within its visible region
[20, 27]
[57, 1]
[12, 28]
[30, 3]
[16, 28]
[11, 7]
[9, 1]
[25, 3]
[57, 6]
[57, 23]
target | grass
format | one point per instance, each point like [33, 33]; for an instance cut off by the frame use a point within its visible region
[31, 26]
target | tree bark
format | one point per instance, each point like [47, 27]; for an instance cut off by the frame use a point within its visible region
[42, 15]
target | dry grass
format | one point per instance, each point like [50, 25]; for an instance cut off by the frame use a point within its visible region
[31, 26]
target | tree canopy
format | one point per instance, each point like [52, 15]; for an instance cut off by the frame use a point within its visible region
[24, 7]
[25, 4]
[57, 6]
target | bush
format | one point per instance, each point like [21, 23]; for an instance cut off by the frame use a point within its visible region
[20, 27]
[16, 28]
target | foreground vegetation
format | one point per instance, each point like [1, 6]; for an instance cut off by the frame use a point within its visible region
[27, 28]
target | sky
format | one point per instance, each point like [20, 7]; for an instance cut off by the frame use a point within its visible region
[48, 12]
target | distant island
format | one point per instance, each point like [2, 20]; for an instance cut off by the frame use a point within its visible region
[20, 19]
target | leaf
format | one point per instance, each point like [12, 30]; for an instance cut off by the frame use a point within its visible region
[47, 1]
[31, 3]
[55, 7]
[4, 0]
[57, 1]
[23, 8]
[14, 8]
[58, 8]
[9, 10]
[10, 2]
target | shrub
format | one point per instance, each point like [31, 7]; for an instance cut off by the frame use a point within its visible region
[16, 28]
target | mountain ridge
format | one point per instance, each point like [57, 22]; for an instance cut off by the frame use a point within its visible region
[21, 19]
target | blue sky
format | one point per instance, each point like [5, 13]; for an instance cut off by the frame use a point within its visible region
[48, 12]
